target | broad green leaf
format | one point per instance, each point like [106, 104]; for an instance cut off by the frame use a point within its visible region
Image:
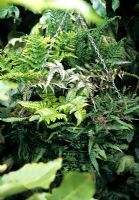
[5, 88]
[100, 6]
[40, 5]
[9, 11]
[3, 168]
[3, 3]
[78, 5]
[115, 4]
[35, 175]
[75, 186]
[125, 164]
[41, 196]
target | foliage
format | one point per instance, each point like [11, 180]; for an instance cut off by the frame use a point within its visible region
[100, 6]
[77, 98]
[29, 177]
[5, 87]
[40, 6]
[41, 175]
[74, 186]
[9, 11]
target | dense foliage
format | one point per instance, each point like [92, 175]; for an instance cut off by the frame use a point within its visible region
[70, 90]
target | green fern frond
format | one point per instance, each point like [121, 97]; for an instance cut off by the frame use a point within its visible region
[42, 112]
[80, 116]
[64, 47]
[33, 105]
[6, 61]
[58, 124]
[29, 75]
[111, 50]
[75, 106]
[78, 103]
[34, 52]
[51, 20]
[48, 115]
[24, 65]
[13, 119]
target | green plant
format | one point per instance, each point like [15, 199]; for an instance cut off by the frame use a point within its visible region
[9, 11]
[100, 6]
[41, 175]
[5, 88]
[73, 101]
[39, 6]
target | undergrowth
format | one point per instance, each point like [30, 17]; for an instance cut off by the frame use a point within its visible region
[67, 104]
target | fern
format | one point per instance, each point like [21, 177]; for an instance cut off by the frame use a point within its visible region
[42, 113]
[29, 75]
[111, 50]
[33, 105]
[50, 111]
[48, 115]
[76, 106]
[53, 69]
[34, 52]
[67, 106]
[83, 48]
[6, 61]
[57, 124]
[13, 119]
[80, 116]
[64, 47]
[51, 20]
[31, 56]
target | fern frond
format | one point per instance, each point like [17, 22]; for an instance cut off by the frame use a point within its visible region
[80, 116]
[75, 106]
[24, 65]
[78, 103]
[13, 119]
[48, 115]
[7, 60]
[82, 82]
[33, 105]
[58, 124]
[51, 20]
[42, 112]
[34, 52]
[54, 68]
[111, 50]
[29, 75]
[64, 46]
